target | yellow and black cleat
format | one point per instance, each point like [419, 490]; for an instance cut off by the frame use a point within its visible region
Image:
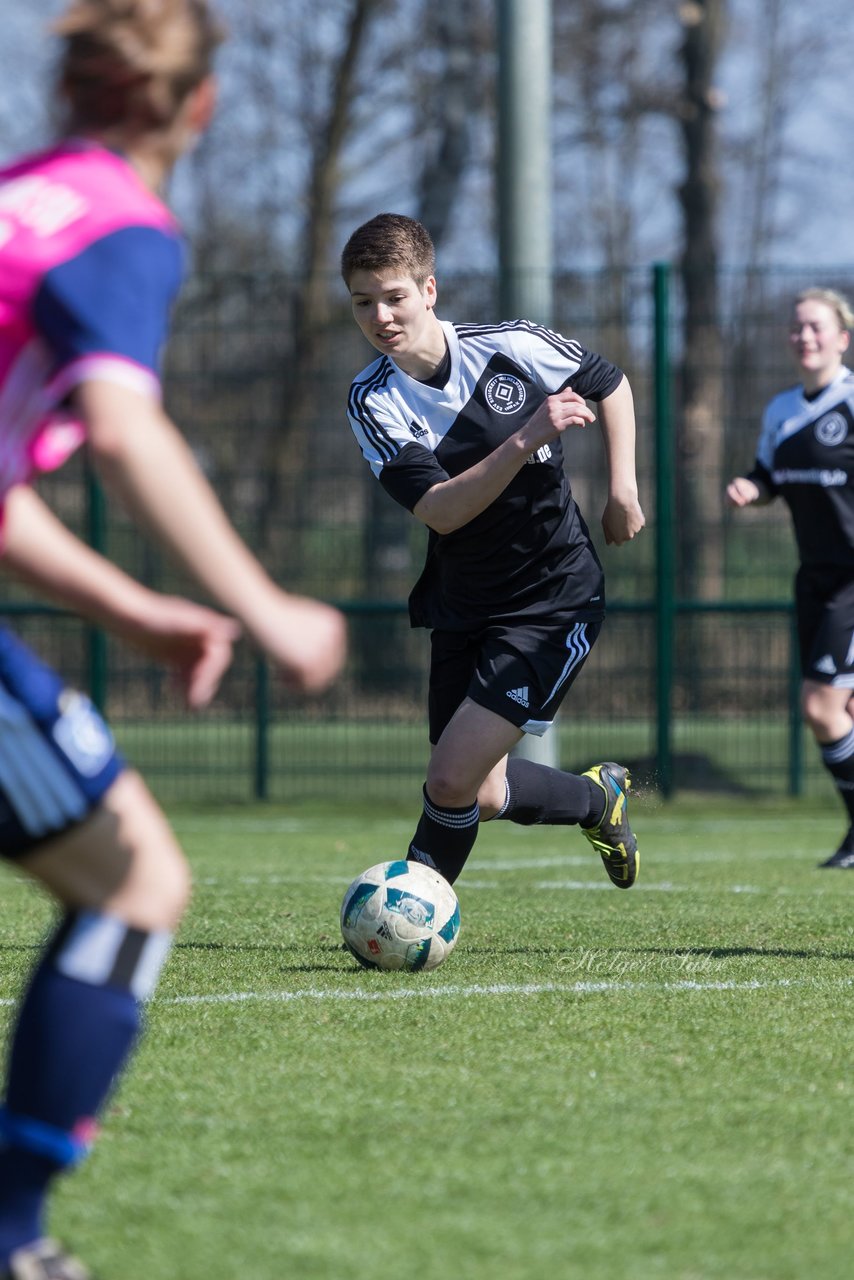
[613, 838]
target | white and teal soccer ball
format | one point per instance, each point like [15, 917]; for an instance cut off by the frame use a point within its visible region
[400, 915]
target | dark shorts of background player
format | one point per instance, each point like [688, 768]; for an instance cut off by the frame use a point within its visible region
[824, 600]
[522, 673]
[57, 756]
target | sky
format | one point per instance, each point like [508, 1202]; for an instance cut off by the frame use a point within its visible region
[814, 203]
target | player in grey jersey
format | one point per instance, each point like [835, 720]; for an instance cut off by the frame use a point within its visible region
[462, 425]
[806, 456]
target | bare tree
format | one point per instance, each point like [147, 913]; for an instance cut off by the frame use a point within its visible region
[701, 417]
[311, 300]
[451, 99]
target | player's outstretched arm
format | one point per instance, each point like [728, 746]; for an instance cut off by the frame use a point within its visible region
[38, 549]
[147, 464]
[623, 516]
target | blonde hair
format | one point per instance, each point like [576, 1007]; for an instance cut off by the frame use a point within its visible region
[838, 304]
[130, 64]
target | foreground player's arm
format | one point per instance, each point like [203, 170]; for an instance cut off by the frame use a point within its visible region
[454, 502]
[623, 517]
[147, 464]
[40, 551]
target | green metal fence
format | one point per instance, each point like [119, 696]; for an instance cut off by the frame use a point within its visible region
[694, 679]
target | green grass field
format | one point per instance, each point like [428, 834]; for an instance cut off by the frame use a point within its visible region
[598, 1085]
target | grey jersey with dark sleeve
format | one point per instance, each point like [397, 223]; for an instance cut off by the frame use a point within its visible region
[529, 555]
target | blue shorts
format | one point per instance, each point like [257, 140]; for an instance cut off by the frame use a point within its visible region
[57, 756]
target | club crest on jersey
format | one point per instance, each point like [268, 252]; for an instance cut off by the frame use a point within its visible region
[80, 732]
[505, 393]
[831, 429]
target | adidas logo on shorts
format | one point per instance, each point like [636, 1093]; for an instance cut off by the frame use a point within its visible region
[827, 665]
[519, 695]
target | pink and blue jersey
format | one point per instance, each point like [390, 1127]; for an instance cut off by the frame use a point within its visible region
[90, 262]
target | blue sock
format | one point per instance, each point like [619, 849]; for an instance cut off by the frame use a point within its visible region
[24, 1178]
[77, 1025]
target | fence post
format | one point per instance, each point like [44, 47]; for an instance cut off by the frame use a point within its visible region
[262, 728]
[796, 746]
[665, 604]
[96, 530]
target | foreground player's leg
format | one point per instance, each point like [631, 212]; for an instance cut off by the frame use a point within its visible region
[77, 1025]
[125, 885]
[594, 800]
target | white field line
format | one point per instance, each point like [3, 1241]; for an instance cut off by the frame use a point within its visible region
[468, 883]
[480, 990]
[476, 990]
[663, 886]
[676, 859]
[273, 826]
[691, 825]
[544, 886]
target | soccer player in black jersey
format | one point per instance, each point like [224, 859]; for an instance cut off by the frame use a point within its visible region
[806, 455]
[462, 425]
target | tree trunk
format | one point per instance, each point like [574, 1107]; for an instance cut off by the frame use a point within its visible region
[303, 373]
[701, 424]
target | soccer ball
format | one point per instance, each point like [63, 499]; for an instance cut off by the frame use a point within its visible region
[400, 915]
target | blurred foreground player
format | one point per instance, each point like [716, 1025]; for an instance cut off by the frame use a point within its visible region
[90, 260]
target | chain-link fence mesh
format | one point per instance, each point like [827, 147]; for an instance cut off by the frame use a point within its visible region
[264, 409]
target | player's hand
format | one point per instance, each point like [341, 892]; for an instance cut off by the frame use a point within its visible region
[740, 492]
[306, 639]
[622, 519]
[555, 414]
[195, 641]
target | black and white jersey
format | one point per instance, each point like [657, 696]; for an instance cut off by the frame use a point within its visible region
[806, 455]
[529, 554]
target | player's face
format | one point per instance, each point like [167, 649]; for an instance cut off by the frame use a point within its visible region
[817, 341]
[393, 311]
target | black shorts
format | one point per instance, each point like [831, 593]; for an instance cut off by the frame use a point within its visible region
[57, 756]
[522, 673]
[824, 600]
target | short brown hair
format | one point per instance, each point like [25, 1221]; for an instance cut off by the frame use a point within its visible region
[390, 241]
[130, 64]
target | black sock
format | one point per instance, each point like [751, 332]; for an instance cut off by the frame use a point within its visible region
[838, 758]
[538, 794]
[444, 838]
